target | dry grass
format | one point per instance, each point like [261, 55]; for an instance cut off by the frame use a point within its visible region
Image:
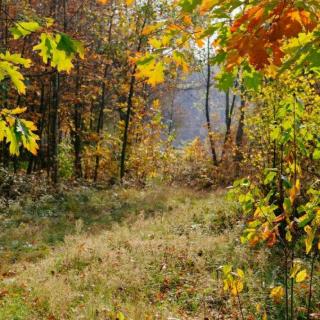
[158, 265]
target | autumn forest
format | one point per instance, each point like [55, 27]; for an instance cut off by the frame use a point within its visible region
[160, 159]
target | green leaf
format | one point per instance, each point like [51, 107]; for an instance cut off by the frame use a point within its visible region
[8, 69]
[305, 219]
[60, 49]
[270, 177]
[70, 46]
[145, 60]
[13, 140]
[45, 47]
[189, 5]
[253, 80]
[23, 28]
[219, 58]
[61, 61]
[225, 81]
[15, 59]
[316, 154]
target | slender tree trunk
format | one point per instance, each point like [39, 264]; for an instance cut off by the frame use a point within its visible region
[77, 140]
[207, 109]
[77, 122]
[239, 137]
[38, 161]
[129, 109]
[228, 121]
[126, 128]
[43, 109]
[102, 101]
[100, 119]
[54, 128]
[171, 114]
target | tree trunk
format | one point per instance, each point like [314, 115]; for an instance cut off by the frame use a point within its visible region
[54, 125]
[207, 109]
[100, 119]
[126, 128]
[77, 122]
[239, 137]
[228, 121]
[129, 108]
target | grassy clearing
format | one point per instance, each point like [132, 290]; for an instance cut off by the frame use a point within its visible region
[150, 254]
[29, 227]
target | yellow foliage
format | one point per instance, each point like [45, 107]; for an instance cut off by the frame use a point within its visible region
[277, 294]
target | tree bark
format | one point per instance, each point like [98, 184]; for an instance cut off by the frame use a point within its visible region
[239, 137]
[207, 109]
[53, 140]
[228, 121]
[100, 119]
[76, 134]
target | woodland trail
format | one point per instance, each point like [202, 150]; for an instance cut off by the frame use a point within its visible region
[149, 254]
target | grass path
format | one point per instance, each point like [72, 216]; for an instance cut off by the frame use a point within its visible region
[150, 254]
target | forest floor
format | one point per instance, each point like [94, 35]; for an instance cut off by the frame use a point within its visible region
[149, 254]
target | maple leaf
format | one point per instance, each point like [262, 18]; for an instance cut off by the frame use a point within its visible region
[263, 31]
[247, 16]
[256, 18]
[207, 5]
[157, 75]
[278, 54]
[258, 55]
[180, 60]
[150, 69]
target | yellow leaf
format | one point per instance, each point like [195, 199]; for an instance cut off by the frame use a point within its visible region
[18, 110]
[180, 60]
[151, 28]
[156, 104]
[152, 70]
[293, 194]
[13, 141]
[187, 20]
[258, 307]
[129, 2]
[3, 128]
[317, 218]
[288, 236]
[277, 294]
[309, 239]
[155, 43]
[49, 22]
[200, 43]
[240, 273]
[295, 269]
[301, 275]
[237, 287]
[166, 40]
[157, 75]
